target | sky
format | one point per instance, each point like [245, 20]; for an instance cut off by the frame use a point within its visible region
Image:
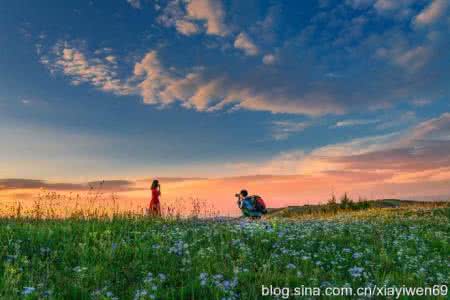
[296, 99]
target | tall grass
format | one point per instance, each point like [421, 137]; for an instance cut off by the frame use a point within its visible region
[97, 204]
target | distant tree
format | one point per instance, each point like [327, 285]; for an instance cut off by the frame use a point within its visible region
[346, 202]
[362, 203]
[332, 201]
[331, 205]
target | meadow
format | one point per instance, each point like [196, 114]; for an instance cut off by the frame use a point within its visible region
[136, 257]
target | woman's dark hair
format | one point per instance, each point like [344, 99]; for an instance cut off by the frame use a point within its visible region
[155, 184]
[244, 193]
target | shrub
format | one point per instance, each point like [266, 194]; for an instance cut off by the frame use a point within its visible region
[346, 202]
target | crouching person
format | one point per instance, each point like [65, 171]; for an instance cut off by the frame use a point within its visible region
[251, 206]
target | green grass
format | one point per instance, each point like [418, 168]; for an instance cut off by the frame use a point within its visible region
[141, 258]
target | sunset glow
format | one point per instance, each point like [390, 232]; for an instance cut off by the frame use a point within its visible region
[293, 101]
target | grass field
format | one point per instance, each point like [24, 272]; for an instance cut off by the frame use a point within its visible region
[143, 258]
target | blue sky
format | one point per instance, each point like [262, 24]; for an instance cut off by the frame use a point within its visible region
[114, 89]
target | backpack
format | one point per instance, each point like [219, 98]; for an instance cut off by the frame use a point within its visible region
[259, 204]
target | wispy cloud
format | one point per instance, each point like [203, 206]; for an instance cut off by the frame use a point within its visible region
[389, 5]
[410, 58]
[97, 71]
[421, 102]
[26, 101]
[423, 150]
[23, 183]
[162, 85]
[421, 153]
[244, 43]
[283, 129]
[350, 123]
[402, 120]
[269, 59]
[432, 12]
[135, 3]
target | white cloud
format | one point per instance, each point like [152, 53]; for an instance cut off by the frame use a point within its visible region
[421, 102]
[384, 5]
[348, 123]
[155, 78]
[194, 89]
[314, 103]
[433, 129]
[359, 4]
[135, 3]
[210, 11]
[159, 85]
[283, 129]
[111, 58]
[244, 43]
[73, 63]
[432, 12]
[411, 58]
[401, 120]
[397, 9]
[171, 13]
[269, 59]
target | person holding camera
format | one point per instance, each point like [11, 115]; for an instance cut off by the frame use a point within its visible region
[251, 206]
[154, 207]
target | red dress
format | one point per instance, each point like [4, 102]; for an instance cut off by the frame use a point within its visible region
[154, 203]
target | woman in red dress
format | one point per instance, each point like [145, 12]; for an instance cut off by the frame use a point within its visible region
[154, 208]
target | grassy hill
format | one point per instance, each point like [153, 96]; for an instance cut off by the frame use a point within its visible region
[348, 205]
